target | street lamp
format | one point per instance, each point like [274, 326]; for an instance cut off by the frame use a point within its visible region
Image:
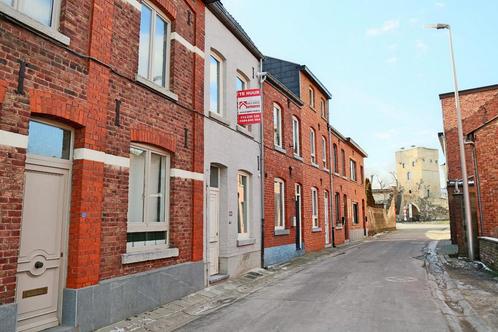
[463, 164]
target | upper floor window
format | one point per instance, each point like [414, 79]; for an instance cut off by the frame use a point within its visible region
[314, 207]
[408, 176]
[240, 82]
[324, 152]
[323, 111]
[277, 125]
[311, 94]
[313, 146]
[353, 169]
[148, 198]
[336, 159]
[153, 50]
[279, 195]
[296, 136]
[215, 84]
[243, 204]
[343, 157]
[45, 12]
[362, 175]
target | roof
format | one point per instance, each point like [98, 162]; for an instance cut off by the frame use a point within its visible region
[469, 91]
[288, 73]
[217, 8]
[282, 88]
[349, 140]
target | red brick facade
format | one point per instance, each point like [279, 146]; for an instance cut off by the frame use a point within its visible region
[479, 113]
[348, 190]
[78, 85]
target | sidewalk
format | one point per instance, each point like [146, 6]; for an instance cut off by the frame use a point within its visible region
[468, 293]
[175, 314]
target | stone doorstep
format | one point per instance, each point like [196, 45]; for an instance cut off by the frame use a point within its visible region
[173, 315]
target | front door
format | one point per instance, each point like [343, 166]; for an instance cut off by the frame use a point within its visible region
[299, 228]
[41, 266]
[326, 213]
[214, 221]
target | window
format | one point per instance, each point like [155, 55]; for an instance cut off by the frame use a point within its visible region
[311, 97]
[336, 159]
[355, 214]
[345, 209]
[296, 136]
[45, 12]
[408, 176]
[413, 164]
[313, 146]
[353, 169]
[362, 175]
[323, 111]
[240, 83]
[153, 49]
[279, 193]
[243, 204]
[215, 88]
[49, 141]
[343, 156]
[337, 201]
[314, 207]
[324, 152]
[277, 126]
[148, 198]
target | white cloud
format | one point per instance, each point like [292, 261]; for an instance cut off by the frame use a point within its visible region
[386, 134]
[392, 59]
[393, 47]
[421, 47]
[413, 20]
[388, 26]
[440, 4]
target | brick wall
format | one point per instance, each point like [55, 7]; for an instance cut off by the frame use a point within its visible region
[488, 251]
[66, 85]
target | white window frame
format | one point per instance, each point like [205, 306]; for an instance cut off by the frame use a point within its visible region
[314, 208]
[277, 126]
[51, 31]
[355, 218]
[352, 169]
[221, 91]
[281, 224]
[243, 78]
[247, 201]
[313, 146]
[311, 95]
[324, 152]
[145, 226]
[296, 136]
[147, 80]
[408, 176]
[323, 111]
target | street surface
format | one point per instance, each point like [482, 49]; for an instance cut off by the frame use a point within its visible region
[380, 285]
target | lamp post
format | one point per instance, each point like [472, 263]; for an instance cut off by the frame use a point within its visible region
[461, 145]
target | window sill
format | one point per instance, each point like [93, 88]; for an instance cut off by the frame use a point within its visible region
[315, 165]
[298, 157]
[18, 16]
[245, 242]
[219, 118]
[279, 149]
[338, 227]
[244, 131]
[156, 87]
[149, 255]
[325, 169]
[280, 232]
[316, 229]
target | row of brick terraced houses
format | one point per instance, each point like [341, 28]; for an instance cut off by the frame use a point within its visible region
[125, 180]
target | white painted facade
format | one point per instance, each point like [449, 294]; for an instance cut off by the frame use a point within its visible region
[233, 149]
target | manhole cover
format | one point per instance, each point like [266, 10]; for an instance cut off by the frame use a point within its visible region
[401, 279]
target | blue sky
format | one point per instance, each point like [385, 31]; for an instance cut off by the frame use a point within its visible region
[384, 69]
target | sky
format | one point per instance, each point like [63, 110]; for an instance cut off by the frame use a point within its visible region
[384, 69]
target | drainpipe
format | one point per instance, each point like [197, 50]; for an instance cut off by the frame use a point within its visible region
[332, 193]
[477, 181]
[262, 79]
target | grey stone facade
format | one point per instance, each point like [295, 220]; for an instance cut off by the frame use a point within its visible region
[8, 317]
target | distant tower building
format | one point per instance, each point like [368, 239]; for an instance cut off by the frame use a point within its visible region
[417, 172]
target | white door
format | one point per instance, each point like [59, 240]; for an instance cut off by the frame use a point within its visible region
[40, 269]
[214, 225]
[299, 222]
[326, 213]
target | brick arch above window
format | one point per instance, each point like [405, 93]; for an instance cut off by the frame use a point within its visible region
[153, 137]
[71, 111]
[166, 6]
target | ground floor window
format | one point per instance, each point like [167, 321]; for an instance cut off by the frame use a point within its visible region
[279, 194]
[337, 203]
[314, 207]
[355, 213]
[148, 198]
[243, 204]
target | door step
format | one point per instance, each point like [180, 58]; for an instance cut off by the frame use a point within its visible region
[62, 328]
[216, 278]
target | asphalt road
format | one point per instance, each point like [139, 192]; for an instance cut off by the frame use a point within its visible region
[379, 285]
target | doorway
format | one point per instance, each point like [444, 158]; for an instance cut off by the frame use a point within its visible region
[299, 228]
[41, 267]
[326, 216]
[214, 220]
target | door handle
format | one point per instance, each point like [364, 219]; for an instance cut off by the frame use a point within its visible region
[38, 265]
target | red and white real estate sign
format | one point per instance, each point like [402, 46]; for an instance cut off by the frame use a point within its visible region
[248, 106]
